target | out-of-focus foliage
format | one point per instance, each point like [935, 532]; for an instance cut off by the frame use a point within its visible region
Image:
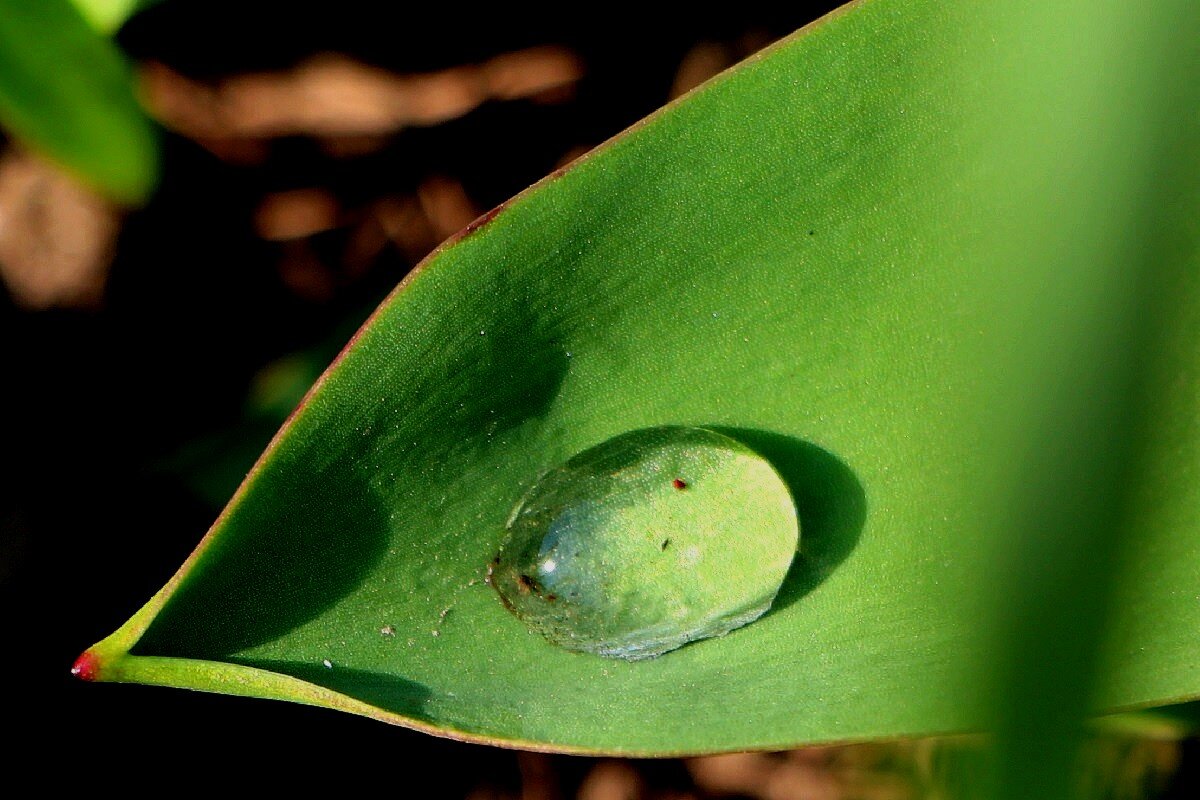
[108, 15]
[67, 91]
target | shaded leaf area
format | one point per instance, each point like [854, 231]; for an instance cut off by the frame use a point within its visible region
[331, 541]
[824, 247]
[66, 91]
[375, 688]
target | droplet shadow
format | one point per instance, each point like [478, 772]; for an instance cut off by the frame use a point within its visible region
[830, 503]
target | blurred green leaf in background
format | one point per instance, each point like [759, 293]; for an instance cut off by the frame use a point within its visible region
[107, 16]
[67, 91]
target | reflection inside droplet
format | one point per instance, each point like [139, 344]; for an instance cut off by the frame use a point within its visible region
[653, 539]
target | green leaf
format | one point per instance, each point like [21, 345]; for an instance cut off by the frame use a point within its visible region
[895, 255]
[107, 16]
[67, 91]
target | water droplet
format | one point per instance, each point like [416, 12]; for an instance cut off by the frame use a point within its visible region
[646, 542]
[325, 662]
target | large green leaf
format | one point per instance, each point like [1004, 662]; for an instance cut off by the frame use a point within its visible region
[67, 91]
[899, 255]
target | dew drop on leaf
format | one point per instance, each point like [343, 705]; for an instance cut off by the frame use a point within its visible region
[608, 554]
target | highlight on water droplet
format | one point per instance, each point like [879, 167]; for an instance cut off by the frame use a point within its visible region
[650, 540]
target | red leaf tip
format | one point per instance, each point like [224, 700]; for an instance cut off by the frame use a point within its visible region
[86, 667]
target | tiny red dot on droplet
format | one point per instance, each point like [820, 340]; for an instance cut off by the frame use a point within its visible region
[679, 483]
[86, 667]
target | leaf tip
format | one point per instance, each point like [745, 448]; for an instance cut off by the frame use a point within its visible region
[87, 666]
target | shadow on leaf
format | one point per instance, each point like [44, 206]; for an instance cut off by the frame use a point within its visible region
[389, 692]
[286, 554]
[830, 502]
[319, 520]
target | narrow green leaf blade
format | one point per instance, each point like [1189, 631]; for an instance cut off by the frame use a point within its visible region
[1080, 515]
[821, 253]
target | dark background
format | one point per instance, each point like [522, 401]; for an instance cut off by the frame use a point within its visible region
[129, 415]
